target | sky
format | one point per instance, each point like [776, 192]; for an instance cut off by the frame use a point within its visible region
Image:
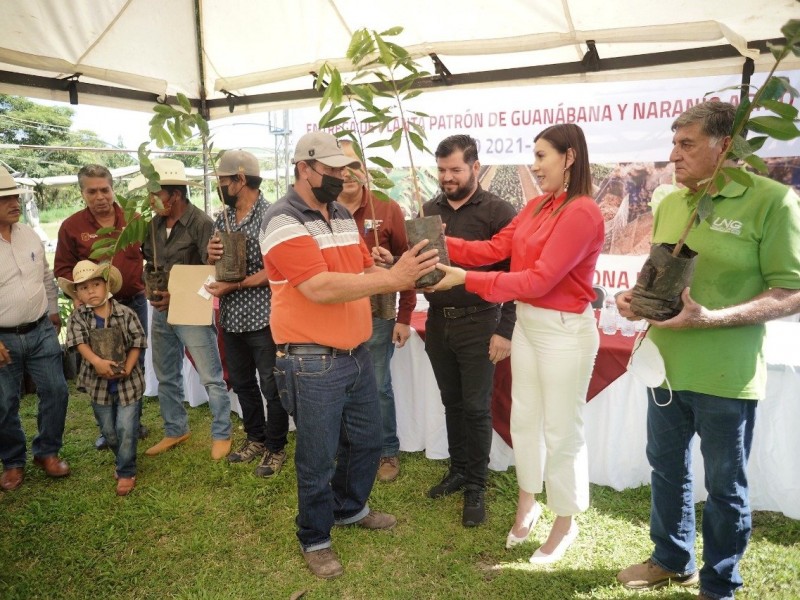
[111, 124]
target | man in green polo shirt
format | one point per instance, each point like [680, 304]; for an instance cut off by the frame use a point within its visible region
[747, 272]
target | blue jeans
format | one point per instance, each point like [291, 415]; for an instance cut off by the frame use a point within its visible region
[169, 343]
[120, 426]
[334, 404]
[39, 353]
[459, 353]
[725, 427]
[246, 353]
[381, 349]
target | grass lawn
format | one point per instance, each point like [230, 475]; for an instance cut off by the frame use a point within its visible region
[198, 529]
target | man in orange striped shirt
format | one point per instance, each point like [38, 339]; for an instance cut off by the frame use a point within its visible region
[322, 275]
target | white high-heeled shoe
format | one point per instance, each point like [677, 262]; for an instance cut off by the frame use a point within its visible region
[530, 522]
[540, 558]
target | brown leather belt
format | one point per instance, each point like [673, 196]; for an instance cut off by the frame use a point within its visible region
[25, 327]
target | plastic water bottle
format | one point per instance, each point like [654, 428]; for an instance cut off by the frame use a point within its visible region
[626, 327]
[608, 316]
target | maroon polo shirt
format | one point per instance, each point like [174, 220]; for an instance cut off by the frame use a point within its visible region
[75, 239]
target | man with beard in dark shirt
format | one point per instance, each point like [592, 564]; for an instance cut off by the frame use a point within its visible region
[465, 335]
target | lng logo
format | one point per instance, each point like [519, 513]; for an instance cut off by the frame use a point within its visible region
[727, 226]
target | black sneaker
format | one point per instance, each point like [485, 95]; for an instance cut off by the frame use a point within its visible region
[143, 432]
[101, 443]
[451, 483]
[474, 507]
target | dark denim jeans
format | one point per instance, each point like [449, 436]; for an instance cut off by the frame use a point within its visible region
[381, 349]
[334, 402]
[459, 353]
[120, 426]
[39, 353]
[245, 354]
[725, 427]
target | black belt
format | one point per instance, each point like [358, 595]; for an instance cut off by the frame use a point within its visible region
[313, 350]
[451, 312]
[25, 327]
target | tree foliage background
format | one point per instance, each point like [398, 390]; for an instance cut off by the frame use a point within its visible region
[25, 122]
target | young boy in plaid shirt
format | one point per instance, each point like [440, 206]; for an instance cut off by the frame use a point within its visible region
[116, 388]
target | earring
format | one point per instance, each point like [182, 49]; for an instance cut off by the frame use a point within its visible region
[566, 180]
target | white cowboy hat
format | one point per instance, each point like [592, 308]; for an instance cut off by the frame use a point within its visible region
[170, 172]
[86, 270]
[8, 187]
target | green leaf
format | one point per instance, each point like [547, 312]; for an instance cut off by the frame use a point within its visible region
[787, 111]
[384, 51]
[774, 89]
[184, 102]
[739, 176]
[381, 162]
[382, 196]
[419, 114]
[720, 181]
[396, 140]
[791, 30]
[741, 113]
[163, 109]
[757, 163]
[412, 94]
[392, 31]
[384, 184]
[756, 142]
[705, 207]
[107, 230]
[379, 143]
[776, 127]
[331, 113]
[417, 140]
[104, 242]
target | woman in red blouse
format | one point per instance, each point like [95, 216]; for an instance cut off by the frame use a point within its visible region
[553, 243]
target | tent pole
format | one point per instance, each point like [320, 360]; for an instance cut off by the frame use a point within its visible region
[203, 109]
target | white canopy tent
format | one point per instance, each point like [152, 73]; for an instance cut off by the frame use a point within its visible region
[252, 55]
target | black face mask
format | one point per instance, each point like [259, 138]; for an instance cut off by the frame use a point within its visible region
[227, 198]
[329, 190]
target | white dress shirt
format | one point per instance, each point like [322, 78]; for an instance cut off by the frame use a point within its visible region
[27, 285]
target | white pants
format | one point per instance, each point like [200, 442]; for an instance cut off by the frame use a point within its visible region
[552, 356]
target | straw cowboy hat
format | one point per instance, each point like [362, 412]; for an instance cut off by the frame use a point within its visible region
[170, 172]
[8, 187]
[86, 270]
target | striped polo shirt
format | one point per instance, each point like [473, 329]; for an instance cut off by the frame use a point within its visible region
[298, 243]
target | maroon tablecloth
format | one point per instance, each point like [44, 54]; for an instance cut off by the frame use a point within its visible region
[611, 363]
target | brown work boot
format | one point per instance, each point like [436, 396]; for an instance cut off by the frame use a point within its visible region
[271, 463]
[52, 465]
[220, 449]
[167, 443]
[649, 576]
[324, 563]
[377, 520]
[248, 451]
[389, 468]
[125, 485]
[12, 478]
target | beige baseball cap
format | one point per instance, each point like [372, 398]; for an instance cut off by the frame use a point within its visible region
[325, 148]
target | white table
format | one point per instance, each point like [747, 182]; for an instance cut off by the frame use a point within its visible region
[615, 425]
